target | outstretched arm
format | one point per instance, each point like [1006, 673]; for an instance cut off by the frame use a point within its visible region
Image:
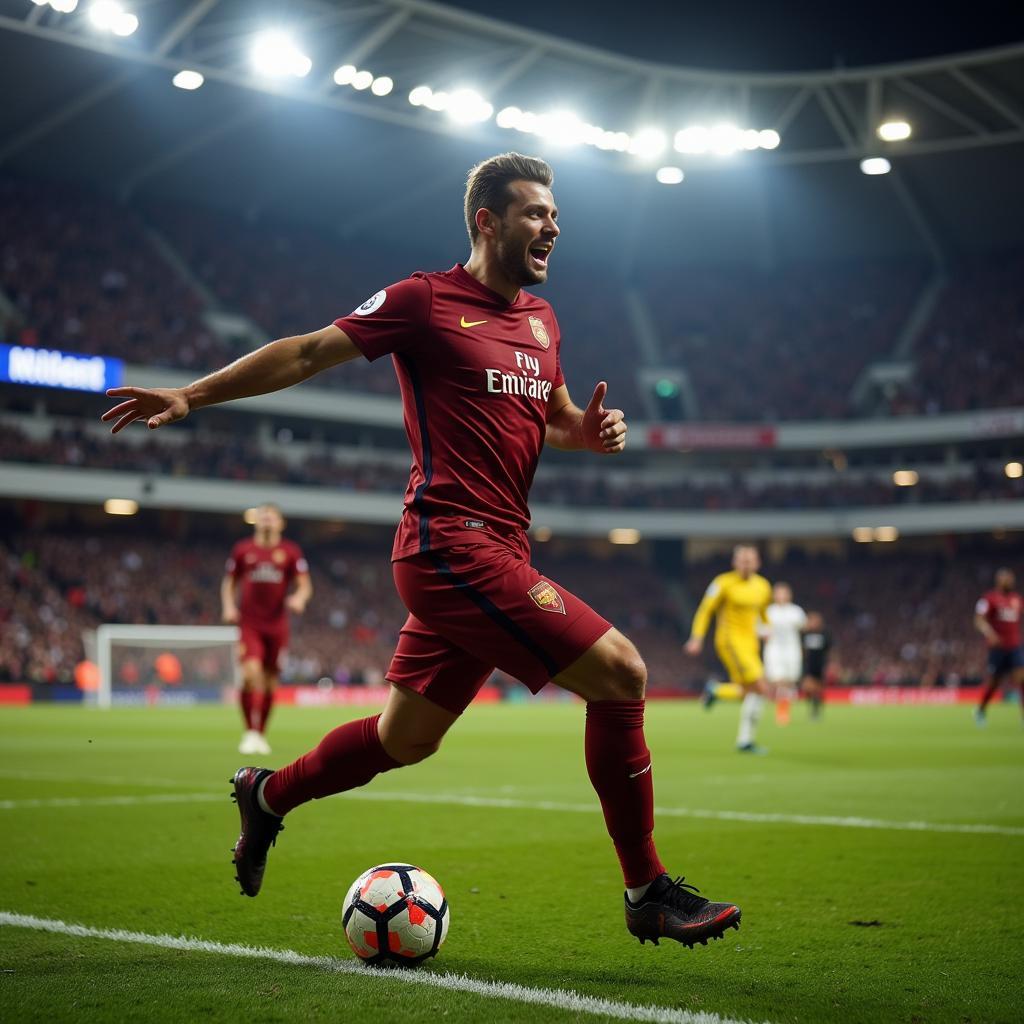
[277, 365]
[595, 428]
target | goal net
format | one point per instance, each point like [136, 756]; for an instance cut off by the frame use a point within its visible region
[162, 664]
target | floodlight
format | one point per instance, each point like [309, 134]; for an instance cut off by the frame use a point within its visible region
[275, 54]
[362, 80]
[905, 477]
[886, 534]
[104, 13]
[1014, 470]
[863, 534]
[875, 165]
[188, 79]
[648, 142]
[419, 96]
[693, 139]
[768, 138]
[669, 176]
[894, 131]
[382, 85]
[120, 506]
[437, 101]
[509, 117]
[124, 24]
[624, 535]
[467, 106]
[345, 74]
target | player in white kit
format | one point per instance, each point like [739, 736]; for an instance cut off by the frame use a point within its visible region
[783, 651]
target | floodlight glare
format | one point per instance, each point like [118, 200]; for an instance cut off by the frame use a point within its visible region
[692, 140]
[1014, 470]
[120, 506]
[188, 79]
[875, 165]
[905, 477]
[124, 24]
[669, 175]
[382, 86]
[542, 534]
[768, 138]
[437, 101]
[648, 143]
[467, 106]
[362, 80]
[104, 13]
[562, 127]
[725, 139]
[274, 54]
[886, 534]
[751, 139]
[894, 131]
[61, 6]
[345, 74]
[509, 117]
[624, 535]
[419, 96]
[863, 534]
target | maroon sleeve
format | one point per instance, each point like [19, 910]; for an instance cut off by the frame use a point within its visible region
[559, 376]
[233, 566]
[299, 563]
[390, 320]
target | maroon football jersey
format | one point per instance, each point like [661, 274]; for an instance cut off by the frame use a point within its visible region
[476, 373]
[1002, 611]
[264, 575]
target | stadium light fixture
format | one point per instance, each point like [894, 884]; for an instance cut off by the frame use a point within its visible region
[275, 54]
[60, 6]
[249, 516]
[188, 79]
[382, 85]
[437, 101]
[894, 131]
[692, 140]
[467, 106]
[872, 165]
[863, 534]
[419, 96]
[648, 143]
[542, 534]
[669, 175]
[509, 117]
[768, 138]
[362, 80]
[345, 74]
[110, 16]
[905, 477]
[1014, 470]
[886, 534]
[624, 535]
[120, 506]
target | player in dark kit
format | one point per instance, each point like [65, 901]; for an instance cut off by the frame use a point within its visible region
[815, 641]
[254, 593]
[997, 617]
[477, 359]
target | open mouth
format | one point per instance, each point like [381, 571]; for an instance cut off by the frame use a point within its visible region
[539, 255]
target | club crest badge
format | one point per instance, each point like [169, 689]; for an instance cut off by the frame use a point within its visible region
[547, 598]
[540, 332]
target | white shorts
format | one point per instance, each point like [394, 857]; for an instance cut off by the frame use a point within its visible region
[782, 666]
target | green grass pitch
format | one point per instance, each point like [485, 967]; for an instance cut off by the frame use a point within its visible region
[534, 891]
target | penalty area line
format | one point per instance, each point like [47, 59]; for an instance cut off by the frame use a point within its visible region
[552, 998]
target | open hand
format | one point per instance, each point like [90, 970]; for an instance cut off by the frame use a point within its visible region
[295, 603]
[157, 406]
[694, 645]
[604, 430]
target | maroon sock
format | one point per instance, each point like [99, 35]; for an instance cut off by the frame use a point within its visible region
[262, 710]
[990, 692]
[619, 765]
[245, 699]
[347, 757]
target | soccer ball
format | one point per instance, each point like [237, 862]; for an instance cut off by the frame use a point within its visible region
[395, 913]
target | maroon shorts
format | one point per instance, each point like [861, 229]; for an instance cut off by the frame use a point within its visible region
[477, 607]
[265, 643]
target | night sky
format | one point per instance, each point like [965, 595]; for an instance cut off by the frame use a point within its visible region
[766, 36]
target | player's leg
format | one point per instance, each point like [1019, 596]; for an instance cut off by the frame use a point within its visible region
[432, 683]
[251, 693]
[273, 651]
[1018, 678]
[813, 690]
[990, 683]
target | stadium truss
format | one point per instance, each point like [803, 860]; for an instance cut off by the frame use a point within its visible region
[959, 102]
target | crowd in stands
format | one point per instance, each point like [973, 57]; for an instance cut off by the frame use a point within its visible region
[784, 345]
[895, 619]
[232, 457]
[83, 274]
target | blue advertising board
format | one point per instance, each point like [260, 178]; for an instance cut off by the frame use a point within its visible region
[51, 368]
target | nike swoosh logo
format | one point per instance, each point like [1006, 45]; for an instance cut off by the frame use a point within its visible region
[471, 323]
[643, 771]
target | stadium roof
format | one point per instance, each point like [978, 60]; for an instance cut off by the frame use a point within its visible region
[85, 103]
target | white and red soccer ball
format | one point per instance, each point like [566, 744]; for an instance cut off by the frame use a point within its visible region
[395, 913]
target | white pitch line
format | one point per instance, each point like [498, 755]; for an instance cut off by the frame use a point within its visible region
[552, 998]
[112, 801]
[691, 812]
[503, 803]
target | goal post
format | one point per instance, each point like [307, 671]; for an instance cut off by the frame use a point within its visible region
[203, 657]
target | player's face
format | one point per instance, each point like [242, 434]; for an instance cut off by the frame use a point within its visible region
[782, 594]
[1005, 580]
[746, 561]
[525, 236]
[268, 520]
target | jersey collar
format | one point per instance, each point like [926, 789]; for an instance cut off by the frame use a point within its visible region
[464, 277]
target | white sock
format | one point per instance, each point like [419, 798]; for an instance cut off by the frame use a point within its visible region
[750, 713]
[637, 894]
[264, 806]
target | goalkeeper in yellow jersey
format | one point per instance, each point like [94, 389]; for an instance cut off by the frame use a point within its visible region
[738, 601]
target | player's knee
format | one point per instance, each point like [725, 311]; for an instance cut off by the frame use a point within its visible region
[626, 678]
[412, 751]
